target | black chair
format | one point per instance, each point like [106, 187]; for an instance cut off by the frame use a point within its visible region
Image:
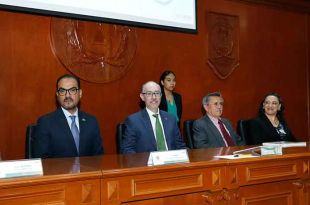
[242, 130]
[29, 141]
[188, 133]
[119, 136]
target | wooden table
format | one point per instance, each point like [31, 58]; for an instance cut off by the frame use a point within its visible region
[126, 179]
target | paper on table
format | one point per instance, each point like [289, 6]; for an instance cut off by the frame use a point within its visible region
[235, 156]
[251, 150]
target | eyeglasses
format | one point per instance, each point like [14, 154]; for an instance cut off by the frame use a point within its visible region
[71, 91]
[150, 94]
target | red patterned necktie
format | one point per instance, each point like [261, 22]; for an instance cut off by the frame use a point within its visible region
[226, 135]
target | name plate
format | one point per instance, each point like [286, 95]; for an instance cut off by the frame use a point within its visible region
[271, 150]
[168, 157]
[20, 168]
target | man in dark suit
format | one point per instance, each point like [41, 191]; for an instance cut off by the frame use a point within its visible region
[151, 129]
[67, 132]
[212, 130]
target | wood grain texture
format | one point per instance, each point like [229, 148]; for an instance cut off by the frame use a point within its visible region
[273, 52]
[110, 180]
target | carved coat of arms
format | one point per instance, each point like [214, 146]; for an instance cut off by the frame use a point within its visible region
[96, 52]
[223, 44]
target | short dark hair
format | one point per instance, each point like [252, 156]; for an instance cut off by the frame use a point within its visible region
[206, 99]
[68, 76]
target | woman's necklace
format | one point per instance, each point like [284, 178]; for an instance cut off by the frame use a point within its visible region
[274, 120]
[275, 123]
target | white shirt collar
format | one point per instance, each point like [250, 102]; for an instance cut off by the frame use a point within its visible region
[68, 114]
[214, 119]
[150, 112]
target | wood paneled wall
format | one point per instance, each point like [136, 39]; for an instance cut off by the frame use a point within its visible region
[274, 56]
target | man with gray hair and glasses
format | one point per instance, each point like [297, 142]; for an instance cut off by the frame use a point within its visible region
[151, 129]
[212, 130]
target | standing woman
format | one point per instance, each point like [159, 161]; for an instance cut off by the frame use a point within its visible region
[171, 101]
[269, 125]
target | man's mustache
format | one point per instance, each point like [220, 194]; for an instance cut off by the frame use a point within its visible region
[68, 98]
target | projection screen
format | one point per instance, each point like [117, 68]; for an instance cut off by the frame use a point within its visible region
[179, 15]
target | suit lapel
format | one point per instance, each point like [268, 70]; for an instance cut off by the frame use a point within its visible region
[148, 126]
[270, 128]
[218, 137]
[63, 124]
[230, 131]
[166, 125]
[83, 127]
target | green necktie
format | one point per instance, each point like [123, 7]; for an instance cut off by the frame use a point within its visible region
[160, 140]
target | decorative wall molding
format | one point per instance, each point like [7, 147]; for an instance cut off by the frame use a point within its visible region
[96, 52]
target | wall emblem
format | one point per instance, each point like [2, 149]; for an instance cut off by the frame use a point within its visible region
[223, 43]
[96, 52]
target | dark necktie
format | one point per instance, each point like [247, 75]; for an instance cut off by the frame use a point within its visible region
[75, 132]
[160, 140]
[226, 135]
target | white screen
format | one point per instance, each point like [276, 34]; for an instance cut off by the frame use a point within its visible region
[167, 13]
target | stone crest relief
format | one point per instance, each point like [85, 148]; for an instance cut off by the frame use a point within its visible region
[96, 52]
[222, 43]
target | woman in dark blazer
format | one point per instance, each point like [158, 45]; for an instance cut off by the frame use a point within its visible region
[269, 125]
[171, 101]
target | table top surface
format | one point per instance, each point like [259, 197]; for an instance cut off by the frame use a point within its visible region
[120, 165]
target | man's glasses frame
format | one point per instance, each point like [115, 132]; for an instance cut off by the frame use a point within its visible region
[71, 91]
[150, 94]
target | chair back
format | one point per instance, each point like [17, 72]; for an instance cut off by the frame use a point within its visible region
[242, 130]
[29, 141]
[120, 128]
[188, 133]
